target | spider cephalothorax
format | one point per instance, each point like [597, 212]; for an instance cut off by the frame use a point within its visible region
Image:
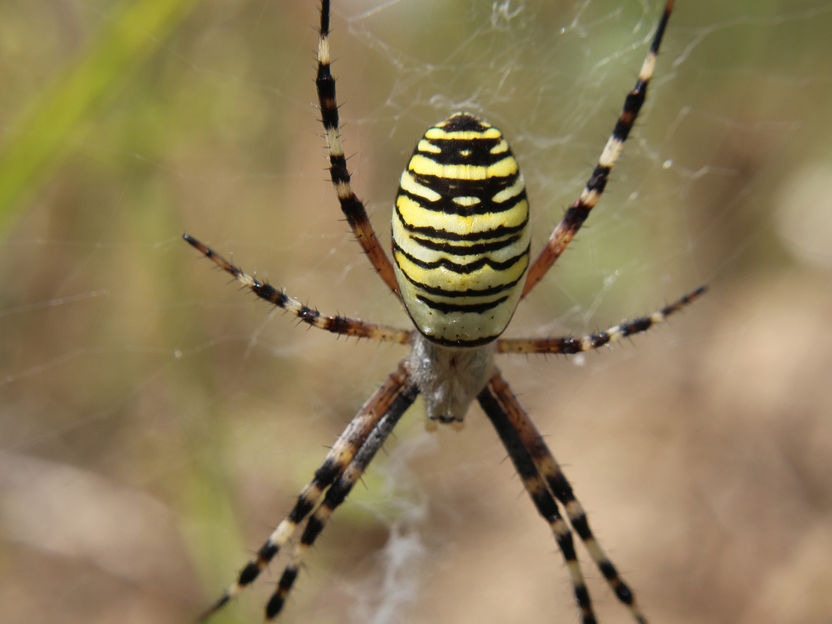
[449, 378]
[460, 266]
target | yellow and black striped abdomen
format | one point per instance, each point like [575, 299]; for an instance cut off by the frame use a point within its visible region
[460, 232]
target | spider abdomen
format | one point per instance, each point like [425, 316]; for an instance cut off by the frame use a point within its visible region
[460, 232]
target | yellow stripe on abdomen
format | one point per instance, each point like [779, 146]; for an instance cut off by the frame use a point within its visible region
[460, 233]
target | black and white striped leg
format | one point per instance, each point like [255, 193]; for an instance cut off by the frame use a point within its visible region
[497, 405]
[577, 213]
[384, 400]
[569, 344]
[336, 324]
[337, 492]
[517, 420]
[351, 206]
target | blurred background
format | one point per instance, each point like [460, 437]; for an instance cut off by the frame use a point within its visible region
[156, 422]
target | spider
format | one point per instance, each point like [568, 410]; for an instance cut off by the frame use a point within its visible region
[461, 264]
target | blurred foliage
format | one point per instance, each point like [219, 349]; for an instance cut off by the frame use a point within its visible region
[62, 110]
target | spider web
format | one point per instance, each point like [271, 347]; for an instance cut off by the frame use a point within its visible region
[156, 422]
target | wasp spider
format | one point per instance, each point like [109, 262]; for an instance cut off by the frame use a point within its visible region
[460, 265]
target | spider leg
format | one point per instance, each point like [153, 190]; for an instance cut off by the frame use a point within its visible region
[335, 324]
[497, 404]
[570, 344]
[577, 213]
[337, 492]
[351, 206]
[382, 402]
[508, 414]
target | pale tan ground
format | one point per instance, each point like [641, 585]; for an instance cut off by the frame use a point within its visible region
[155, 422]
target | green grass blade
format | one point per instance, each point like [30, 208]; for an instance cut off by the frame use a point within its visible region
[48, 128]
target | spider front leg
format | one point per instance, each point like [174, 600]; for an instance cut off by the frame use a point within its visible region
[388, 398]
[569, 344]
[495, 407]
[337, 492]
[577, 213]
[522, 439]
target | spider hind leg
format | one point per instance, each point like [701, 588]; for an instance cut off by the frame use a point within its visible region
[340, 325]
[578, 212]
[569, 345]
[351, 206]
